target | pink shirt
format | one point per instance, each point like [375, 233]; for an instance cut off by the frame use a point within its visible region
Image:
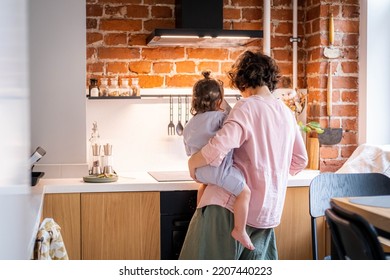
[268, 146]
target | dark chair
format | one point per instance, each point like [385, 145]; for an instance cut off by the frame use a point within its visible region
[353, 237]
[327, 185]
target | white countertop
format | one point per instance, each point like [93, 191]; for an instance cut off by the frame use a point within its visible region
[142, 181]
[21, 207]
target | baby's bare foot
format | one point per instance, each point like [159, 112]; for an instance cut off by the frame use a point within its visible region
[243, 238]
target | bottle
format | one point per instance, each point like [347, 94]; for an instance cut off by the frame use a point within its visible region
[93, 88]
[135, 87]
[104, 87]
[113, 90]
[125, 90]
[95, 167]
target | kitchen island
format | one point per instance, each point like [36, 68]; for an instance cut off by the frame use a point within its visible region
[129, 183]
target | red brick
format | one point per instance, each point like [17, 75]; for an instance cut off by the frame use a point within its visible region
[120, 1]
[117, 67]
[231, 14]
[137, 39]
[281, 14]
[181, 80]
[350, 40]
[329, 152]
[163, 53]
[202, 53]
[120, 25]
[93, 37]
[283, 28]
[95, 67]
[345, 82]
[349, 96]
[115, 39]
[162, 67]
[118, 11]
[347, 151]
[208, 65]
[151, 81]
[162, 12]
[282, 55]
[349, 138]
[118, 53]
[331, 165]
[243, 25]
[280, 42]
[345, 110]
[350, 124]
[91, 53]
[346, 26]
[151, 24]
[138, 67]
[94, 10]
[252, 14]
[313, 13]
[245, 3]
[153, 2]
[137, 11]
[185, 66]
[350, 11]
[91, 23]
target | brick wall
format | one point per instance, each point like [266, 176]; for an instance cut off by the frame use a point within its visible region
[116, 46]
[344, 69]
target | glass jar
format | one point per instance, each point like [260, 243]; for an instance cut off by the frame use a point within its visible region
[125, 89]
[136, 91]
[113, 90]
[93, 88]
[103, 87]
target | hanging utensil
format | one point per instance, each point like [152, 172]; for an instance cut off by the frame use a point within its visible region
[331, 51]
[331, 136]
[171, 125]
[179, 127]
[187, 110]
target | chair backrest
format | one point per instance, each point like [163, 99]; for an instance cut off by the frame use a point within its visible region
[327, 185]
[354, 238]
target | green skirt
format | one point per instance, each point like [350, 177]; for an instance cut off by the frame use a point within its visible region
[209, 238]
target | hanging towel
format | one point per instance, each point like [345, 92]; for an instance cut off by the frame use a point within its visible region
[49, 244]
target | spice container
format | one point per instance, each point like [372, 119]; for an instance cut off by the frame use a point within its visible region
[95, 167]
[125, 89]
[113, 90]
[103, 87]
[93, 88]
[135, 87]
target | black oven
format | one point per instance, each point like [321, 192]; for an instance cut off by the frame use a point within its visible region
[177, 208]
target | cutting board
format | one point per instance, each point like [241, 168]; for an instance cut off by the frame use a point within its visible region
[170, 176]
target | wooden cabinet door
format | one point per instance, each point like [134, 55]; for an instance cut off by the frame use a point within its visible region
[293, 235]
[120, 225]
[65, 210]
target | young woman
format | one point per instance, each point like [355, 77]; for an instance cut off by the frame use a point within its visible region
[267, 147]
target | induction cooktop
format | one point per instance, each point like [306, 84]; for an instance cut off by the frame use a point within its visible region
[170, 176]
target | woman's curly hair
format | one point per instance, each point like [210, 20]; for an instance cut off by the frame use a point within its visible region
[254, 69]
[207, 94]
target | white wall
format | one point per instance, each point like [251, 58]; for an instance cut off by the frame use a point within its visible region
[58, 71]
[14, 94]
[374, 73]
[138, 131]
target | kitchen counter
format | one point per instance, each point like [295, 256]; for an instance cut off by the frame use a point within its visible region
[21, 208]
[142, 181]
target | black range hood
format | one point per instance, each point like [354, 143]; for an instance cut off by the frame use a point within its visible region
[200, 23]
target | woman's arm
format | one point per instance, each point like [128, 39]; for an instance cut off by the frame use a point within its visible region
[195, 161]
